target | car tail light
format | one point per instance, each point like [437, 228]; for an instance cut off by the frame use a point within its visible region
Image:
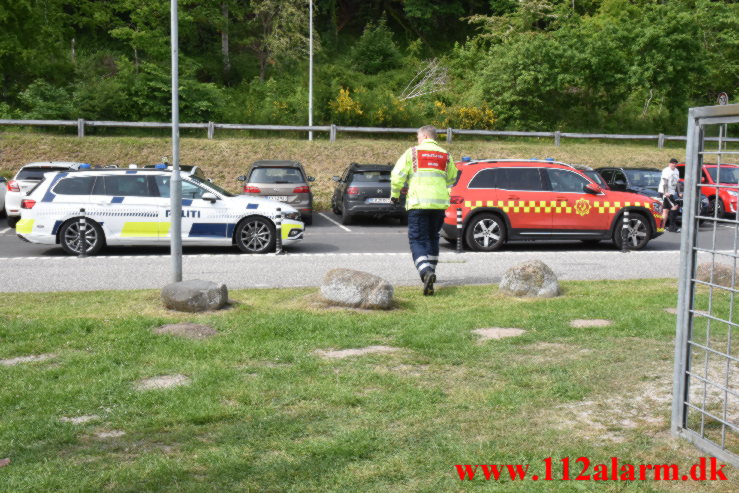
[456, 199]
[27, 204]
[352, 190]
[13, 186]
[303, 189]
[404, 191]
[248, 189]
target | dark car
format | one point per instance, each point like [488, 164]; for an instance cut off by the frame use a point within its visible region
[364, 190]
[644, 181]
[285, 181]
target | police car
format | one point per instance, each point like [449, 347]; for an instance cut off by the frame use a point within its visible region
[132, 207]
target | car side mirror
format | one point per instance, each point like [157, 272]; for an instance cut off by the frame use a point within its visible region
[592, 188]
[311, 178]
[241, 178]
[336, 178]
[703, 179]
[210, 197]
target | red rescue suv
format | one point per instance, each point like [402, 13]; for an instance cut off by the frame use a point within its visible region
[721, 194]
[514, 199]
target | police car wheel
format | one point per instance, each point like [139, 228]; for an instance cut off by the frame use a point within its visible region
[637, 233]
[13, 220]
[72, 240]
[485, 233]
[255, 235]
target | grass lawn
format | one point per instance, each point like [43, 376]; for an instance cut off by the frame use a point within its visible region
[263, 412]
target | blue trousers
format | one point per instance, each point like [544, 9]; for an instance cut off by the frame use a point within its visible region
[423, 236]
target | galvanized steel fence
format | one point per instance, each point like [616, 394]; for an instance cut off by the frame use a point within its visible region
[334, 130]
[705, 407]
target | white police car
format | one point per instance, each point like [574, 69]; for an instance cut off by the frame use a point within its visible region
[132, 207]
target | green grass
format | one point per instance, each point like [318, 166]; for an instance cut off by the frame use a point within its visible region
[226, 158]
[264, 413]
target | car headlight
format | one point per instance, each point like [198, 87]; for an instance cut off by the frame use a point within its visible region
[657, 206]
[295, 216]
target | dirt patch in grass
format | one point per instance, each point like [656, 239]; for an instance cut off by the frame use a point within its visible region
[187, 330]
[496, 333]
[34, 358]
[109, 433]
[78, 420]
[162, 382]
[347, 353]
[580, 323]
[671, 310]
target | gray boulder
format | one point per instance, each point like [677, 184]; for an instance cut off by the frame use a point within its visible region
[722, 274]
[357, 289]
[533, 279]
[194, 296]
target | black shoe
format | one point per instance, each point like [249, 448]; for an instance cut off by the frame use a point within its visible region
[429, 279]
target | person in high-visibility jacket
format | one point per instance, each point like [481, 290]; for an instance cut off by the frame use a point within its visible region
[429, 172]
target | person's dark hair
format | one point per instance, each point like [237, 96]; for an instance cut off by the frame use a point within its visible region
[429, 131]
[673, 160]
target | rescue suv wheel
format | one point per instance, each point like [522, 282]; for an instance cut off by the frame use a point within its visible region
[638, 232]
[72, 241]
[485, 233]
[714, 204]
[255, 235]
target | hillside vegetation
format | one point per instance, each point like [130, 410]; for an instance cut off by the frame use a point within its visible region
[224, 160]
[614, 66]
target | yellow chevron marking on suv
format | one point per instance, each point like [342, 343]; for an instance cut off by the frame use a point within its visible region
[25, 226]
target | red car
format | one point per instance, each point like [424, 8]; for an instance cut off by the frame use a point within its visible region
[727, 197]
[509, 200]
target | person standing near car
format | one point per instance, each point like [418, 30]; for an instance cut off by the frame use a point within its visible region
[668, 189]
[429, 172]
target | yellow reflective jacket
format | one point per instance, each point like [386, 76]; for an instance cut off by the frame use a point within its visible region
[429, 172]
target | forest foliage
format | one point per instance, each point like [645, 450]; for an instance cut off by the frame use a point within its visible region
[577, 65]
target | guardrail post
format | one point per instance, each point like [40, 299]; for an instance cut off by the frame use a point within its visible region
[332, 133]
[625, 232]
[211, 130]
[448, 135]
[83, 234]
[661, 141]
[459, 230]
[278, 238]
[557, 137]
[80, 127]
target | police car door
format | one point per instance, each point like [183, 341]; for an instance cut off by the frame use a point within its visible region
[577, 211]
[203, 221]
[130, 210]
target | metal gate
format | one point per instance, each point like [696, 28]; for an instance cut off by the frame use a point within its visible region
[705, 406]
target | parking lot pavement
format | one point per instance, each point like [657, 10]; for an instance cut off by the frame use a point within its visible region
[365, 235]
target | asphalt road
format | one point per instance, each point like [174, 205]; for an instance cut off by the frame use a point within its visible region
[380, 247]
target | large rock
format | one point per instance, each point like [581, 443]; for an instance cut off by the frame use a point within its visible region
[194, 296]
[532, 278]
[357, 289]
[721, 274]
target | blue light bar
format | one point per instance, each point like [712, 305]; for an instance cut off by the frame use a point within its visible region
[85, 166]
[160, 166]
[466, 159]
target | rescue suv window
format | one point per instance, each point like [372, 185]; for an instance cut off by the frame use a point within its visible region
[566, 181]
[519, 179]
[484, 179]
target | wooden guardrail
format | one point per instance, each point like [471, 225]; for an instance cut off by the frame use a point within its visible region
[334, 130]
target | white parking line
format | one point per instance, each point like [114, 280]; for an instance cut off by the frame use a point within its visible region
[339, 225]
[3, 231]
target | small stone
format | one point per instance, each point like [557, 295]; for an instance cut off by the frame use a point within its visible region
[496, 333]
[345, 353]
[585, 323]
[347, 287]
[194, 296]
[187, 330]
[27, 359]
[4, 462]
[162, 382]
[532, 278]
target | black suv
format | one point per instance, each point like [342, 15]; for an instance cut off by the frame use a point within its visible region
[644, 181]
[364, 189]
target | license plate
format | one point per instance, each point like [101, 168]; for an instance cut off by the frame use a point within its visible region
[378, 201]
[281, 198]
